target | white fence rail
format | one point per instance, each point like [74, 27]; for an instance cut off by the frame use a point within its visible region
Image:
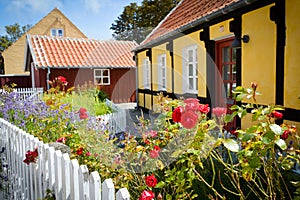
[53, 170]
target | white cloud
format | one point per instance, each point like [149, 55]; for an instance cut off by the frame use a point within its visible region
[93, 5]
[34, 5]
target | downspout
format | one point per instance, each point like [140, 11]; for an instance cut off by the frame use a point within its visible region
[32, 76]
[48, 78]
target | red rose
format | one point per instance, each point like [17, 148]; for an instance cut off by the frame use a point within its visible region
[191, 104]
[276, 114]
[151, 181]
[204, 108]
[62, 79]
[82, 110]
[285, 134]
[219, 111]
[176, 115]
[83, 116]
[79, 151]
[147, 195]
[189, 119]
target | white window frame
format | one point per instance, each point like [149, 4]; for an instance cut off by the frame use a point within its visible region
[162, 72]
[190, 73]
[146, 73]
[55, 32]
[99, 78]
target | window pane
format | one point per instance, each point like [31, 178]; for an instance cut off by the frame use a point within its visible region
[164, 83]
[163, 72]
[105, 72]
[98, 80]
[162, 61]
[53, 32]
[196, 83]
[234, 72]
[98, 72]
[196, 55]
[190, 69]
[105, 80]
[190, 55]
[191, 83]
[60, 32]
[234, 55]
[226, 72]
[226, 54]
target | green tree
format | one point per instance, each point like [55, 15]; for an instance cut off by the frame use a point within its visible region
[136, 22]
[13, 33]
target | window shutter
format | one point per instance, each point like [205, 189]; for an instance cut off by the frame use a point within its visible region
[184, 71]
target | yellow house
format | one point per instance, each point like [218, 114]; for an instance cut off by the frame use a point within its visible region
[54, 24]
[204, 49]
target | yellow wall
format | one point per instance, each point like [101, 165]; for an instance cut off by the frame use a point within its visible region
[141, 100]
[14, 55]
[292, 58]
[259, 55]
[148, 101]
[220, 31]
[179, 45]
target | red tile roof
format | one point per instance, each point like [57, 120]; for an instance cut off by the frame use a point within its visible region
[61, 52]
[186, 12]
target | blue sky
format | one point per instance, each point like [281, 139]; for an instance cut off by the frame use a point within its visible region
[92, 17]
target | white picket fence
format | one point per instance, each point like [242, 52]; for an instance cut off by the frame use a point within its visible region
[29, 93]
[53, 170]
[116, 121]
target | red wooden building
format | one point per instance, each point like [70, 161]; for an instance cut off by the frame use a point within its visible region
[107, 64]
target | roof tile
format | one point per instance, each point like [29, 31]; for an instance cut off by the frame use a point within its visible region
[62, 52]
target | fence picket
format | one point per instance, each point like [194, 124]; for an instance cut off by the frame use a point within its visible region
[83, 177]
[58, 174]
[74, 180]
[95, 186]
[108, 190]
[123, 194]
[65, 176]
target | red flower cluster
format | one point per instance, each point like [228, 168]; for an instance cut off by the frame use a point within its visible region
[62, 79]
[151, 181]
[30, 156]
[219, 111]
[286, 133]
[79, 151]
[82, 113]
[62, 140]
[277, 115]
[188, 116]
[147, 195]
[155, 152]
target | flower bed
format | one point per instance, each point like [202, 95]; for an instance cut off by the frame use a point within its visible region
[182, 154]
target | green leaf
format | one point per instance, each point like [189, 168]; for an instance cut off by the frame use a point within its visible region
[234, 107]
[231, 144]
[281, 143]
[247, 136]
[276, 129]
[168, 197]
[240, 97]
[160, 184]
[268, 137]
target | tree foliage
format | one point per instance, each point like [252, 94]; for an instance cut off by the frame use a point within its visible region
[13, 33]
[136, 22]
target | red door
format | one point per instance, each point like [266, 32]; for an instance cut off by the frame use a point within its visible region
[226, 79]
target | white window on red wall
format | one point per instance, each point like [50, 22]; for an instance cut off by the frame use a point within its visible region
[57, 32]
[102, 76]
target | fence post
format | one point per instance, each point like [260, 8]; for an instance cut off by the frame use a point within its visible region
[108, 190]
[74, 180]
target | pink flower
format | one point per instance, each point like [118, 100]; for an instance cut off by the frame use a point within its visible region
[219, 111]
[276, 114]
[189, 119]
[176, 115]
[82, 110]
[204, 108]
[147, 195]
[62, 140]
[88, 153]
[191, 104]
[151, 181]
[152, 133]
[155, 152]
